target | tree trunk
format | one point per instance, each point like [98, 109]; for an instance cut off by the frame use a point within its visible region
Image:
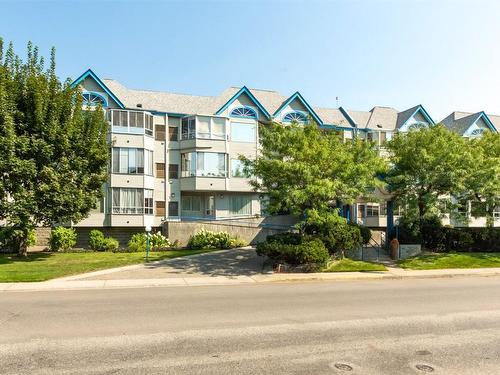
[421, 213]
[23, 244]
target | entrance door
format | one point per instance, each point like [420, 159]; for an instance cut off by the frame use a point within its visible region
[210, 206]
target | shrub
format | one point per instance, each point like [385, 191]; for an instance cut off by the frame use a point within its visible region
[9, 238]
[62, 238]
[205, 239]
[157, 242]
[289, 238]
[366, 234]
[137, 242]
[110, 244]
[96, 240]
[310, 251]
[336, 233]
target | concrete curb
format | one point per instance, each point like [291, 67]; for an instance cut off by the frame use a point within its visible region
[67, 284]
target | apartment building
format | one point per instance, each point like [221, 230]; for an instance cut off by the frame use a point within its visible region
[175, 156]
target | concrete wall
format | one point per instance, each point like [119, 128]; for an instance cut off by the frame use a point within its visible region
[251, 230]
[122, 234]
[42, 236]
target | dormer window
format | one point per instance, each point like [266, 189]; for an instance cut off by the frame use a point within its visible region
[93, 99]
[417, 126]
[244, 112]
[295, 116]
[477, 132]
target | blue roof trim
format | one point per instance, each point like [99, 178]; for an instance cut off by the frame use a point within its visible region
[486, 120]
[339, 127]
[310, 110]
[90, 73]
[244, 90]
[424, 113]
[348, 117]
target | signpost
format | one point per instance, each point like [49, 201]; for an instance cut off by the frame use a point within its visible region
[148, 231]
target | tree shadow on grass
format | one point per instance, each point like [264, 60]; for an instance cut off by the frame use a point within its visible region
[9, 258]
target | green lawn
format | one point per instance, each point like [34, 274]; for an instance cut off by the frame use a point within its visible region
[45, 266]
[349, 265]
[451, 260]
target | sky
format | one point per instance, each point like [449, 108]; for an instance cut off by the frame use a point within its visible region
[444, 54]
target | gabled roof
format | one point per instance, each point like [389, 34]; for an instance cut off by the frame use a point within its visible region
[164, 101]
[333, 116]
[299, 97]
[384, 118]
[90, 73]
[404, 116]
[460, 122]
[243, 90]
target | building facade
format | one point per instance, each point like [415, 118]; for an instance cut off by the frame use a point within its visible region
[175, 157]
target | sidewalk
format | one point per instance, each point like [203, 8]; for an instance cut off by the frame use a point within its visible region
[76, 282]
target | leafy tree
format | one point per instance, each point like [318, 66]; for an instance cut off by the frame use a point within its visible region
[427, 167]
[54, 154]
[483, 184]
[302, 167]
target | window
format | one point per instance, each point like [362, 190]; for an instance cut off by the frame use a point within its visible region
[148, 202]
[245, 112]
[477, 132]
[383, 137]
[160, 208]
[237, 168]
[173, 208]
[93, 99]
[361, 210]
[173, 133]
[149, 124]
[135, 122]
[295, 117]
[242, 132]
[417, 126]
[173, 171]
[160, 170]
[203, 127]
[203, 164]
[463, 207]
[160, 132]
[188, 128]
[240, 205]
[372, 210]
[496, 212]
[191, 203]
[132, 161]
[131, 201]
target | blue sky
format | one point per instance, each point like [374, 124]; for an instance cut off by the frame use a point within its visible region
[442, 54]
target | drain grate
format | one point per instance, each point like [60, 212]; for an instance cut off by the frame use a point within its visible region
[343, 366]
[424, 368]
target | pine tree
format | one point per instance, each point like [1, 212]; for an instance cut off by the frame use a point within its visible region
[53, 153]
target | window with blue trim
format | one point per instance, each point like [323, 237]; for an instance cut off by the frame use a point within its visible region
[477, 132]
[295, 117]
[245, 112]
[93, 99]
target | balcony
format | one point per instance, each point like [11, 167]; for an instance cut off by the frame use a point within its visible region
[131, 122]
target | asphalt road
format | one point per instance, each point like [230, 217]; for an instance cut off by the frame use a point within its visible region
[452, 326]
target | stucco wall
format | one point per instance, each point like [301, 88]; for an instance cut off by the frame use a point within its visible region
[251, 230]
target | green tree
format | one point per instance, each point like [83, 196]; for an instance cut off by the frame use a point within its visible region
[483, 184]
[303, 167]
[428, 166]
[54, 154]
